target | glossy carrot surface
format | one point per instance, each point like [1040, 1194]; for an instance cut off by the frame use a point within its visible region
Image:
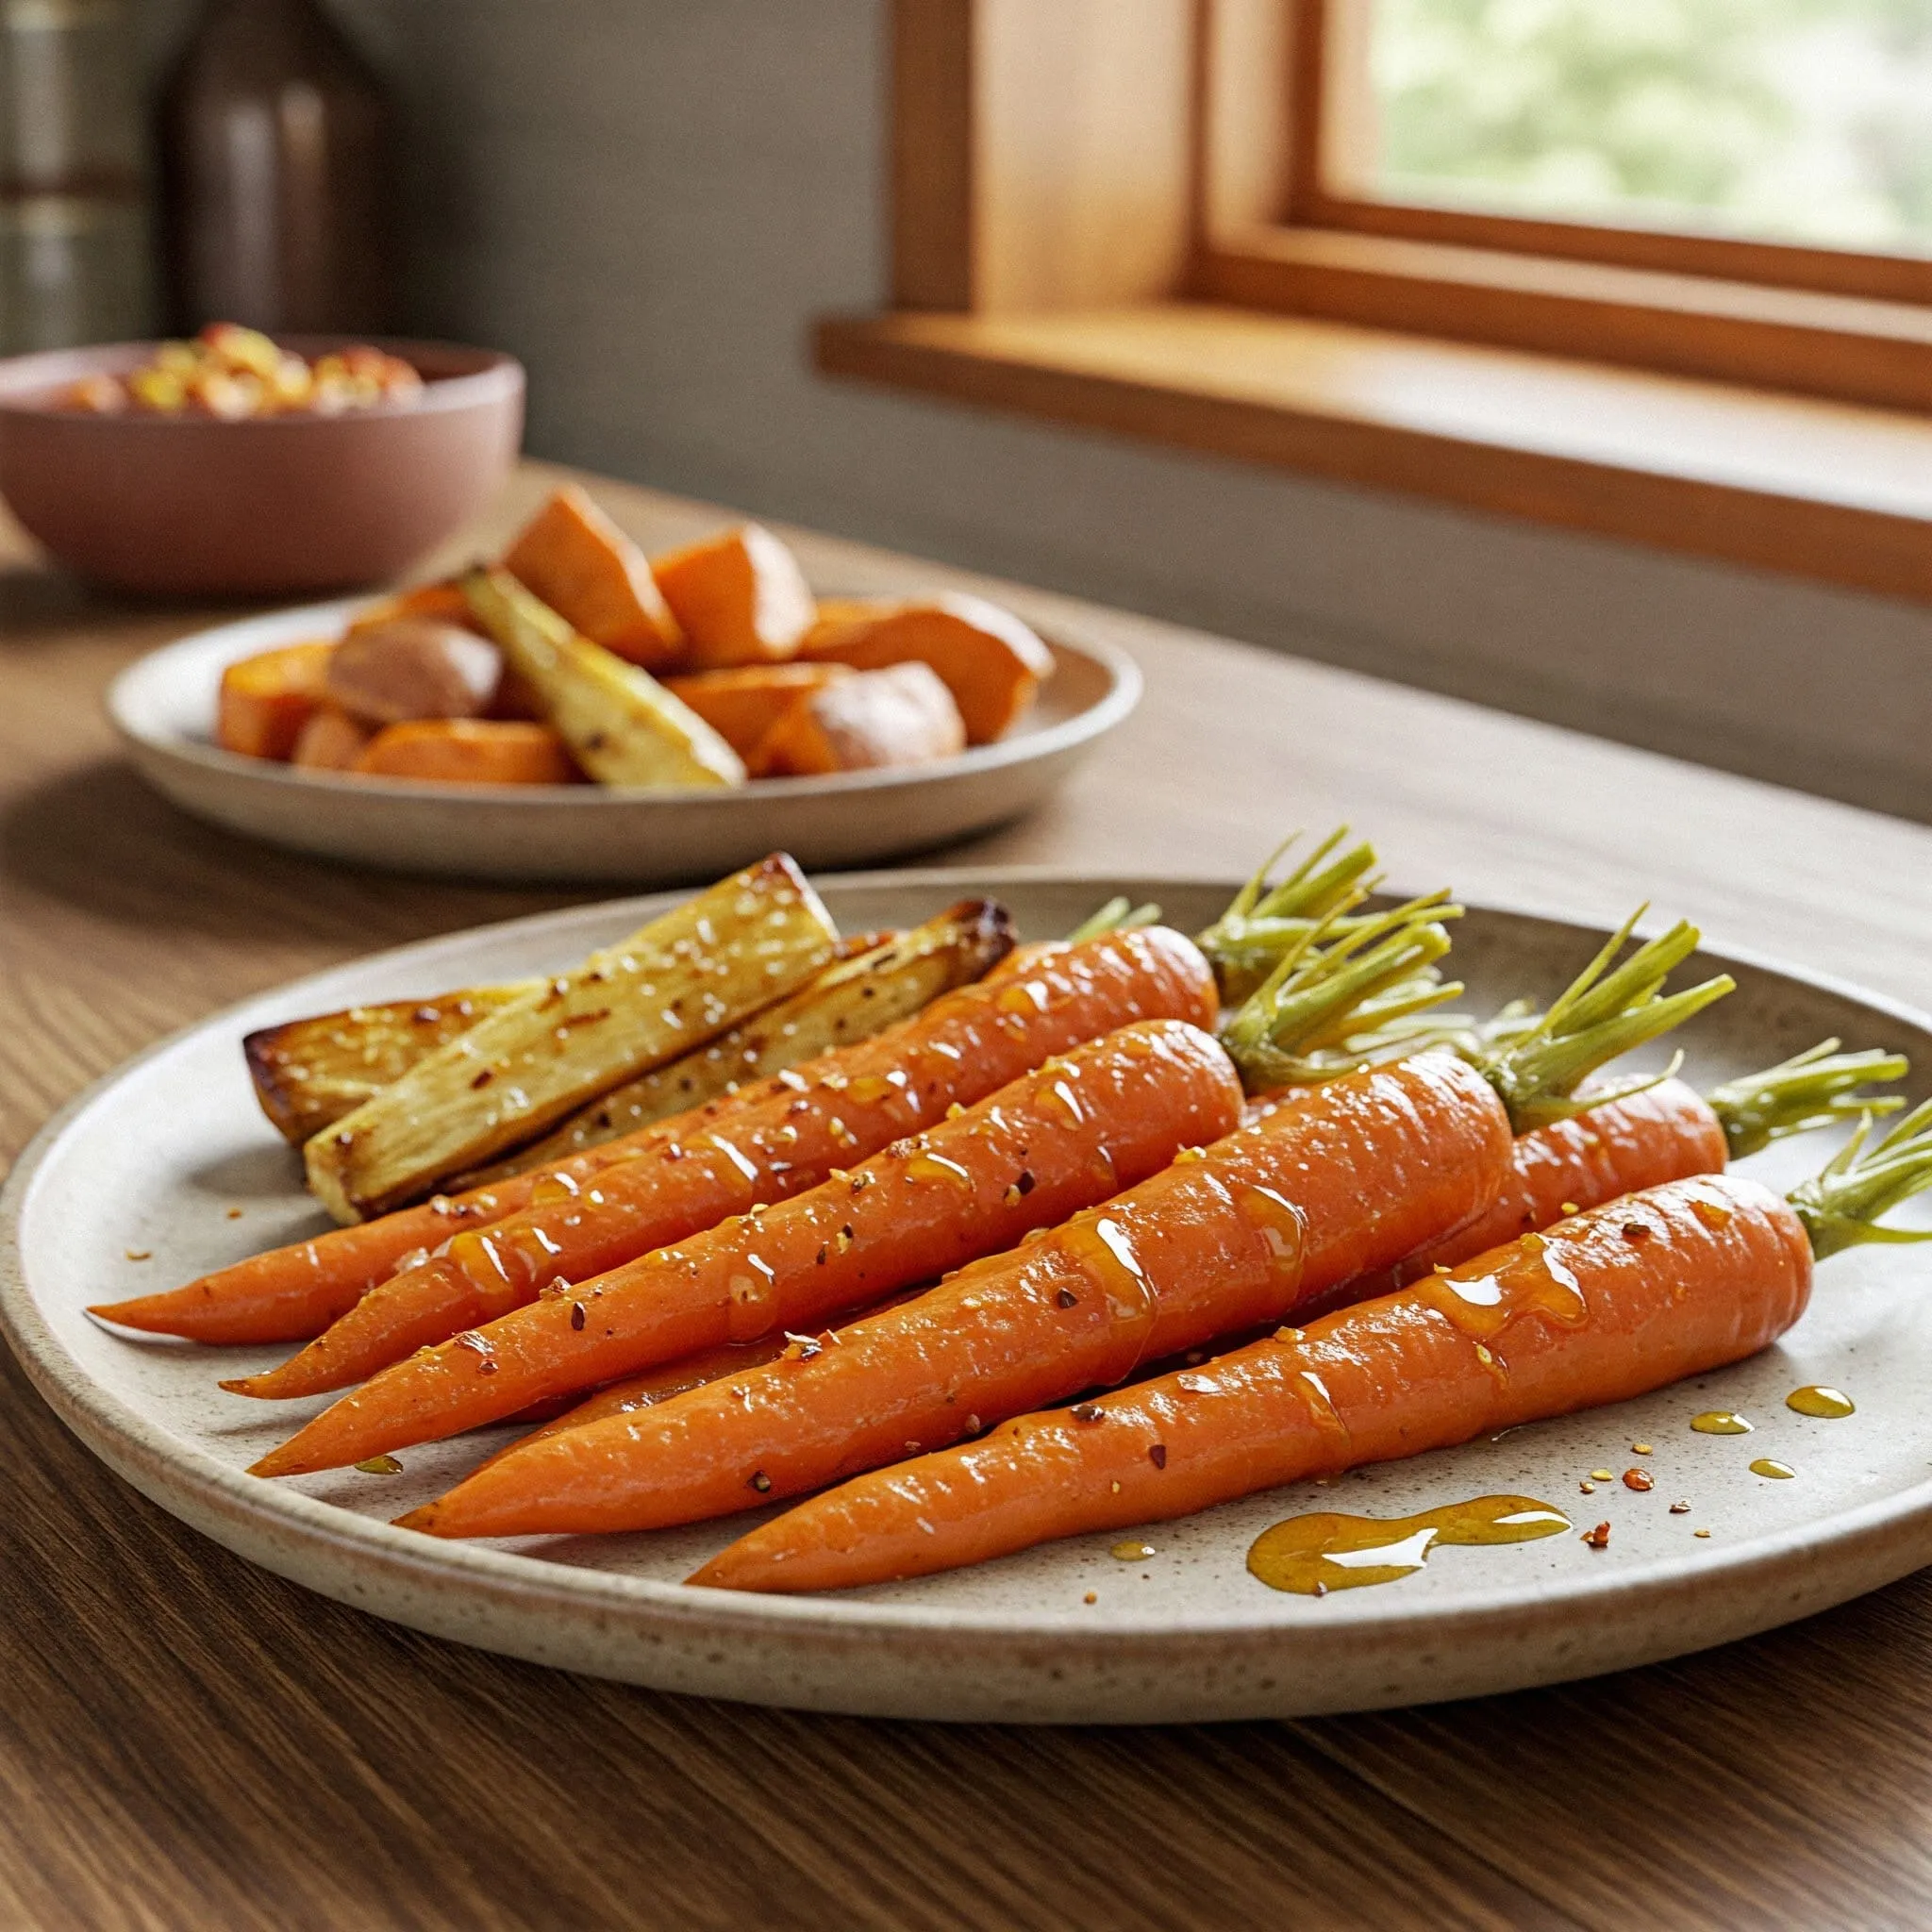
[1642, 1292]
[761, 1145]
[1348, 1176]
[292, 1292]
[1662, 1133]
[1066, 1135]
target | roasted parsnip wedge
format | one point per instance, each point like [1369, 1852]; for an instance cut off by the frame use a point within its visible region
[851, 999]
[669, 987]
[308, 1073]
[622, 725]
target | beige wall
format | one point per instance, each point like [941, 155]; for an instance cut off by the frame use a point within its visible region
[648, 200]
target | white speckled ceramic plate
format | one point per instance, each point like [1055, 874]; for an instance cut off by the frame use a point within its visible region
[173, 1141]
[163, 706]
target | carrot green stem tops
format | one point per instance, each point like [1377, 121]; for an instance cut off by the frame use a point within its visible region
[1813, 1088]
[1840, 1204]
[1342, 994]
[1605, 1011]
[1118, 914]
[1263, 921]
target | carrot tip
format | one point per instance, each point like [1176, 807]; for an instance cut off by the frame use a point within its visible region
[280, 1463]
[139, 1314]
[422, 1519]
[272, 1385]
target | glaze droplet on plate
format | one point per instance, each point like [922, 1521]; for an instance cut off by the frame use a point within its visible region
[1313, 1555]
[1720, 1422]
[1815, 1399]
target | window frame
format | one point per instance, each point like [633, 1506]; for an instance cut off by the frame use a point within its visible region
[1848, 327]
[1312, 202]
[1093, 219]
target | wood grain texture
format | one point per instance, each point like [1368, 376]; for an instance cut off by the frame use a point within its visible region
[930, 135]
[1040, 152]
[1775, 264]
[1794, 484]
[185, 1742]
[1841, 346]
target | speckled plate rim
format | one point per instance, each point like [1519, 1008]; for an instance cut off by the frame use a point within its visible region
[1774, 1577]
[265, 629]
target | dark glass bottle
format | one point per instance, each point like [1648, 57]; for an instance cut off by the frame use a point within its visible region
[277, 178]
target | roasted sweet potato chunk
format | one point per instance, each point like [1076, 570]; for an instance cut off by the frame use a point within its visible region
[743, 704]
[741, 598]
[990, 660]
[443, 603]
[573, 558]
[331, 740]
[470, 751]
[414, 667]
[266, 699]
[899, 716]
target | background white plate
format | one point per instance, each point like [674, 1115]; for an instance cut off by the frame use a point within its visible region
[163, 706]
[152, 1158]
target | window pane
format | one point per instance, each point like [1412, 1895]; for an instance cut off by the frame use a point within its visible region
[1786, 120]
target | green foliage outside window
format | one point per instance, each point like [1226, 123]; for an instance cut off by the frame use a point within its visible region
[1806, 120]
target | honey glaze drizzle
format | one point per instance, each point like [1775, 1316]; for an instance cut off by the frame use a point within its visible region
[1100, 1246]
[1532, 1282]
[1280, 1224]
[1313, 1555]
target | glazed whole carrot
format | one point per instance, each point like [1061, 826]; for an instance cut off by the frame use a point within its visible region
[775, 1139]
[292, 1292]
[419, 1397]
[1343, 1179]
[556, 1414]
[1103, 1117]
[1628, 1297]
[1659, 1133]
[1356, 1173]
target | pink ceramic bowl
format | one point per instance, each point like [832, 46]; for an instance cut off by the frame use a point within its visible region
[189, 505]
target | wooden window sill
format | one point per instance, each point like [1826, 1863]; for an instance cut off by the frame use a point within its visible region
[1836, 492]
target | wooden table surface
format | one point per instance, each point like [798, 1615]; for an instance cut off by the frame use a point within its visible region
[184, 1740]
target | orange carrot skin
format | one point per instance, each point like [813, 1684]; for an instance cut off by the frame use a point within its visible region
[1108, 1114]
[292, 1292]
[1357, 1172]
[785, 1136]
[1665, 1133]
[1722, 1268]
[556, 1413]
